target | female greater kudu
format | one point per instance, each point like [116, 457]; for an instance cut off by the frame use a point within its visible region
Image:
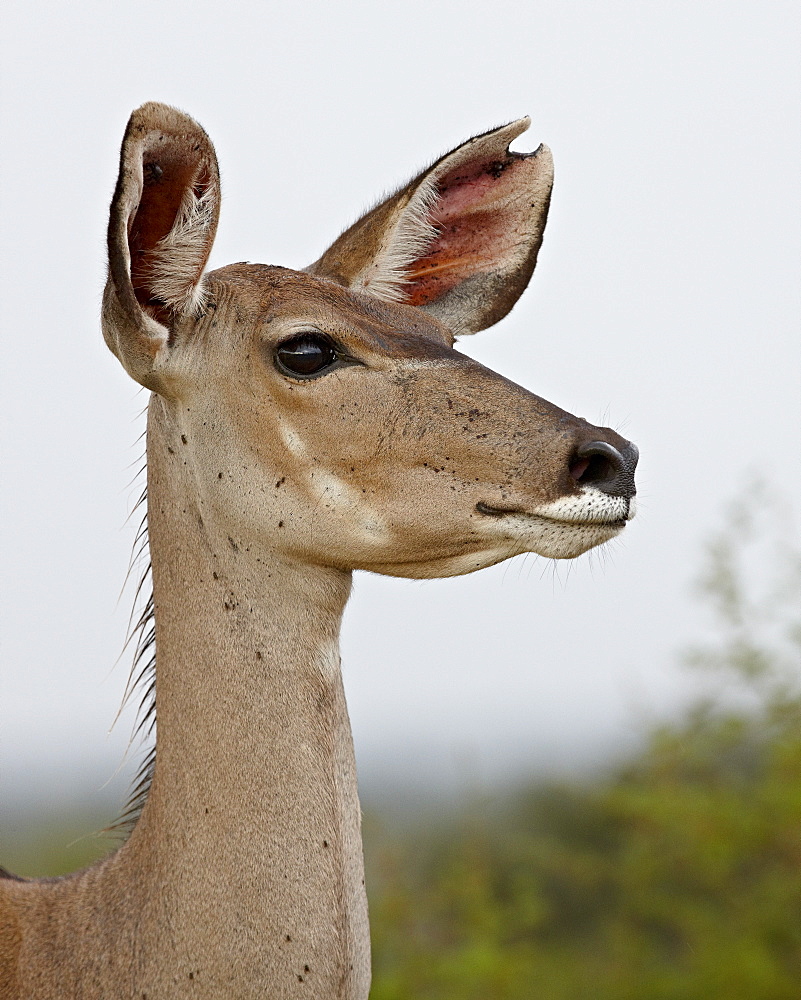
[301, 425]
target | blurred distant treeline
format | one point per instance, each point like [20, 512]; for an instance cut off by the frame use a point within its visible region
[676, 876]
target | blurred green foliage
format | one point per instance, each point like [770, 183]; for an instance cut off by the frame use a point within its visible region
[676, 877]
[39, 842]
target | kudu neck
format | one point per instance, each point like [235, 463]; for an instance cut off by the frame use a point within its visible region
[254, 800]
[241, 633]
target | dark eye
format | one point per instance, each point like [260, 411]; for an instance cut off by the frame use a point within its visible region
[305, 355]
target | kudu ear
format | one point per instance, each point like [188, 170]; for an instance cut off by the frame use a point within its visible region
[161, 228]
[460, 240]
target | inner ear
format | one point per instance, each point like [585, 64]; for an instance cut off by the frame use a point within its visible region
[475, 224]
[168, 234]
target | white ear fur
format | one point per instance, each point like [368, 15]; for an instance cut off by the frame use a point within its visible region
[178, 259]
[385, 276]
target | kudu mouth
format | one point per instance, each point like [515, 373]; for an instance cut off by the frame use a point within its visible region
[485, 508]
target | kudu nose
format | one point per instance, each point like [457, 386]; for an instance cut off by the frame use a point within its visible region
[600, 464]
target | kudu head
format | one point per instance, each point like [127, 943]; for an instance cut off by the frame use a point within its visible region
[325, 415]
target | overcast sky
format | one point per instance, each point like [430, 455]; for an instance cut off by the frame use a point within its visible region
[666, 303]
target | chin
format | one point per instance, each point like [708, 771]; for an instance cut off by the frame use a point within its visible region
[566, 541]
[552, 540]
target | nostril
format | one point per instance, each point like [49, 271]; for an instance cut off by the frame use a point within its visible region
[596, 462]
[591, 470]
[605, 468]
[578, 467]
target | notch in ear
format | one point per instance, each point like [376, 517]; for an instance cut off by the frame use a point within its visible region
[161, 228]
[460, 240]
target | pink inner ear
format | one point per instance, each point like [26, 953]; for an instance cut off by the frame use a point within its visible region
[167, 172]
[480, 214]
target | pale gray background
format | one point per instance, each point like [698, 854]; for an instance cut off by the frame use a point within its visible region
[665, 302]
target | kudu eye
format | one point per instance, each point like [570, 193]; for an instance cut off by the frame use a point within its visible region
[305, 355]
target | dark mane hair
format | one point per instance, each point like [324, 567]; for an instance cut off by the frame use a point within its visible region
[142, 676]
